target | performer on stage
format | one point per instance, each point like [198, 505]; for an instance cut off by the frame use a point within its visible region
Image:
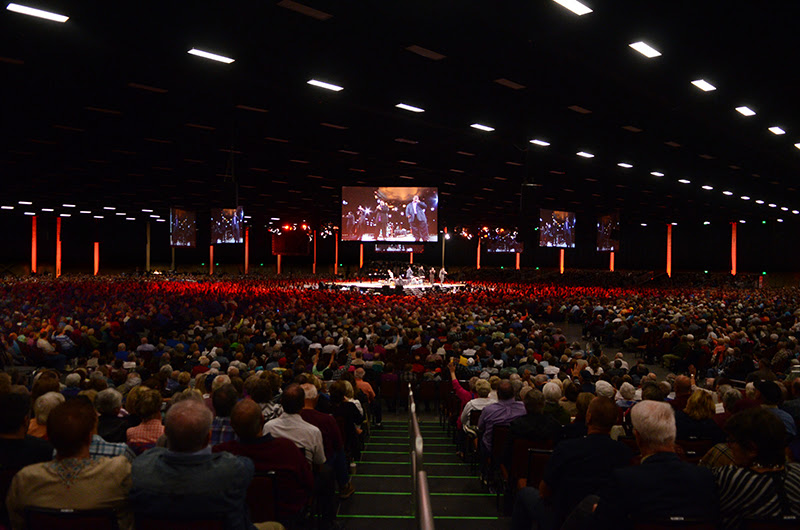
[349, 224]
[361, 225]
[409, 273]
[381, 220]
[432, 275]
[442, 275]
[417, 220]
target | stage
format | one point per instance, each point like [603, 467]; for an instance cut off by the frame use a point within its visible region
[394, 287]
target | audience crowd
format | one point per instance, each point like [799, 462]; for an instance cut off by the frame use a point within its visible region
[163, 399]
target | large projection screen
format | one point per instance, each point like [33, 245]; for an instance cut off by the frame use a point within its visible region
[608, 232]
[556, 228]
[227, 225]
[390, 214]
[182, 228]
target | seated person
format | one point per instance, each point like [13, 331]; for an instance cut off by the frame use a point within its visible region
[110, 427]
[73, 479]
[696, 420]
[535, 426]
[146, 434]
[753, 488]
[187, 481]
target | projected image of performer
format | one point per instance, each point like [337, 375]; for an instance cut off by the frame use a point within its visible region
[361, 222]
[381, 219]
[349, 224]
[417, 220]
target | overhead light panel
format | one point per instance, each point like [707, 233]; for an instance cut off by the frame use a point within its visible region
[25, 10]
[584, 154]
[726, 192]
[98, 216]
[66, 215]
[541, 143]
[6, 207]
[645, 49]
[707, 187]
[130, 218]
[410, 108]
[776, 130]
[147, 211]
[482, 127]
[85, 211]
[742, 221]
[574, 6]
[796, 212]
[745, 198]
[684, 181]
[30, 213]
[108, 208]
[759, 201]
[784, 209]
[27, 203]
[657, 173]
[47, 209]
[797, 146]
[745, 111]
[706, 223]
[209, 55]
[68, 205]
[625, 165]
[644, 224]
[703, 85]
[779, 220]
[323, 84]
[771, 205]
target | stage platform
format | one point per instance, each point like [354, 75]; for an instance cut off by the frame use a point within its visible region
[393, 287]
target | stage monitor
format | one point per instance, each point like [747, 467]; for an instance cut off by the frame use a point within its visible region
[291, 243]
[608, 232]
[556, 229]
[502, 241]
[227, 225]
[400, 247]
[403, 215]
[182, 228]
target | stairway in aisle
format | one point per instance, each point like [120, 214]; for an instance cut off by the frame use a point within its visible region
[383, 483]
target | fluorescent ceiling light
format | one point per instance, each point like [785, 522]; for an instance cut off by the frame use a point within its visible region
[645, 49]
[771, 205]
[161, 220]
[759, 201]
[6, 207]
[98, 216]
[784, 209]
[66, 215]
[779, 220]
[796, 212]
[275, 218]
[625, 165]
[706, 222]
[776, 130]
[25, 10]
[684, 181]
[797, 146]
[68, 205]
[481, 127]
[147, 211]
[584, 154]
[745, 198]
[27, 203]
[322, 84]
[674, 224]
[742, 221]
[130, 218]
[212, 56]
[745, 111]
[703, 85]
[409, 107]
[656, 173]
[644, 224]
[155, 216]
[726, 192]
[707, 187]
[30, 213]
[121, 214]
[108, 208]
[574, 6]
[540, 142]
[47, 209]
[85, 211]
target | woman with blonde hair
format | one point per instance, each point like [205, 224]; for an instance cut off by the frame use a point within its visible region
[697, 419]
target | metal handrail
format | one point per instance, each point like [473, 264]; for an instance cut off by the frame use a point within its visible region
[420, 494]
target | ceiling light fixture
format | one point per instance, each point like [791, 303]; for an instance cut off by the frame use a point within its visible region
[27, 203]
[644, 224]
[30, 213]
[6, 207]
[745, 198]
[797, 146]
[322, 84]
[25, 10]
[779, 220]
[541, 143]
[574, 6]
[707, 187]
[66, 215]
[772, 205]
[209, 55]
[625, 165]
[706, 223]
[726, 192]
[482, 127]
[759, 201]
[98, 216]
[645, 49]
[108, 208]
[147, 211]
[784, 209]
[68, 205]
[742, 221]
[684, 181]
[776, 130]
[657, 173]
[410, 108]
[745, 111]
[84, 211]
[584, 154]
[703, 85]
[796, 212]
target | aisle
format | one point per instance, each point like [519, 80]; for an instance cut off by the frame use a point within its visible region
[383, 484]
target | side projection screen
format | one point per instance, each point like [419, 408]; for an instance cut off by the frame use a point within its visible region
[227, 225]
[390, 214]
[556, 229]
[608, 232]
[182, 228]
[502, 242]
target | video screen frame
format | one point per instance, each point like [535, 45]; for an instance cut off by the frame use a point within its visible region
[556, 228]
[390, 214]
[501, 241]
[227, 225]
[182, 228]
[607, 225]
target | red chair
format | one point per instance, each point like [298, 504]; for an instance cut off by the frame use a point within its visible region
[261, 497]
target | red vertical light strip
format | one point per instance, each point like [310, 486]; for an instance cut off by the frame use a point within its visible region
[733, 248]
[33, 244]
[279, 264]
[58, 247]
[411, 257]
[611, 262]
[336, 253]
[314, 267]
[518, 260]
[211, 260]
[478, 260]
[561, 262]
[96, 257]
[361, 256]
[247, 250]
[669, 250]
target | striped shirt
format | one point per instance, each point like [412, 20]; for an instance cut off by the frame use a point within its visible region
[747, 494]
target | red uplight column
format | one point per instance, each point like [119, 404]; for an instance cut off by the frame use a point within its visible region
[211, 260]
[314, 267]
[669, 250]
[247, 250]
[33, 244]
[411, 257]
[561, 262]
[361, 256]
[58, 247]
[336, 253]
[478, 261]
[518, 260]
[96, 257]
[611, 262]
[279, 264]
[733, 248]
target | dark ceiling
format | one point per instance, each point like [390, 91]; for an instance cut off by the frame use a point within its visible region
[108, 109]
